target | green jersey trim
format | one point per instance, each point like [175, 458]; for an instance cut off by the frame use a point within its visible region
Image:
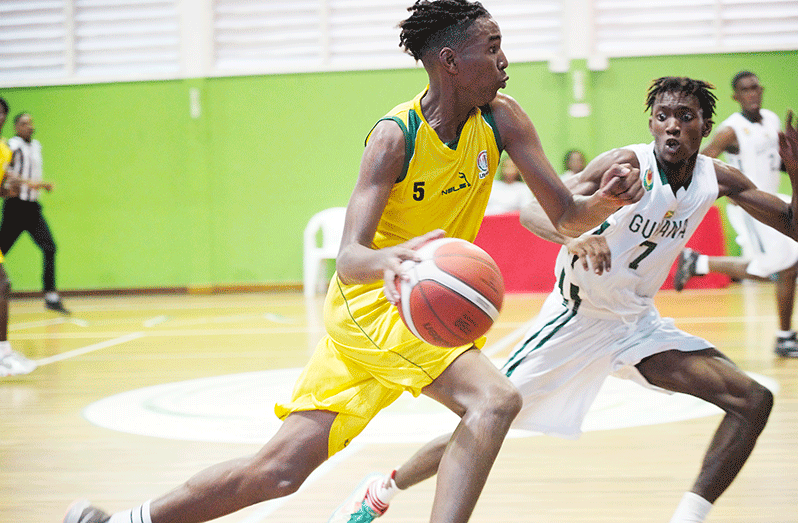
[487, 114]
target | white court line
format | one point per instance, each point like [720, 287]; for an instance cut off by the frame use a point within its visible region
[91, 348]
[152, 322]
[34, 324]
[278, 318]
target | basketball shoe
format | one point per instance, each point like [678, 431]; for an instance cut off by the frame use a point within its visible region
[685, 268]
[360, 506]
[787, 347]
[14, 364]
[81, 511]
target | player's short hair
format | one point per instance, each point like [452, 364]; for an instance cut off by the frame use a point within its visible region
[19, 116]
[683, 85]
[4, 105]
[739, 76]
[436, 24]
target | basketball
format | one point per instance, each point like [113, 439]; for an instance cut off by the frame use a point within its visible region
[453, 295]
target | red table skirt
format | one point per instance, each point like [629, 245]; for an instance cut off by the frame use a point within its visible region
[527, 261]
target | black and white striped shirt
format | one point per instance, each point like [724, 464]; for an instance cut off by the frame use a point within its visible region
[27, 164]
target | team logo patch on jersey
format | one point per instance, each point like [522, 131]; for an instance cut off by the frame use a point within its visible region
[482, 164]
[648, 180]
[462, 185]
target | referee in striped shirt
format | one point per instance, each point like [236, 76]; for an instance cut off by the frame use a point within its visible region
[23, 213]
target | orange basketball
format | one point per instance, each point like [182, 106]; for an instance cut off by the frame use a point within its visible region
[454, 293]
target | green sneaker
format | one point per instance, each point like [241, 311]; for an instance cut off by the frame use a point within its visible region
[356, 509]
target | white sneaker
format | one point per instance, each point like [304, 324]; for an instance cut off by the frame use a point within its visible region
[356, 509]
[14, 364]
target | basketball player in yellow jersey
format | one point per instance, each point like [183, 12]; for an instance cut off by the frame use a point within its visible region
[426, 172]
[12, 363]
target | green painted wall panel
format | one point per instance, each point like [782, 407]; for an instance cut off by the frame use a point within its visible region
[147, 195]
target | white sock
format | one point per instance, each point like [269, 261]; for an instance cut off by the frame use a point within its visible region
[380, 494]
[692, 509]
[140, 514]
[5, 348]
[779, 334]
[702, 264]
[51, 296]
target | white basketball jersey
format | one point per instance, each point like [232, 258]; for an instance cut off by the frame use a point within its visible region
[759, 157]
[644, 240]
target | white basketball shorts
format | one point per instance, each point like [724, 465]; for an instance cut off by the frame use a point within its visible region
[767, 249]
[564, 358]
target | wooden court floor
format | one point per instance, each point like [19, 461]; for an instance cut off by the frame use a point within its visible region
[50, 453]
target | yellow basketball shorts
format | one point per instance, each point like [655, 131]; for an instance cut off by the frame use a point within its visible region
[365, 362]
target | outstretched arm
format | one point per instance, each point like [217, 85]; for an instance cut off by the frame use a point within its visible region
[592, 250]
[570, 214]
[765, 207]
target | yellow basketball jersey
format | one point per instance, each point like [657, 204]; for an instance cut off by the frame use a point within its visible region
[5, 159]
[443, 186]
[368, 356]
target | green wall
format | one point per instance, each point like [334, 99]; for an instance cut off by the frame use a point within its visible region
[147, 196]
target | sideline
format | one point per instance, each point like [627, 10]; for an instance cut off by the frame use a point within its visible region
[91, 348]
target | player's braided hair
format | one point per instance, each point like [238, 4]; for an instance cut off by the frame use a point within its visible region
[438, 23]
[681, 84]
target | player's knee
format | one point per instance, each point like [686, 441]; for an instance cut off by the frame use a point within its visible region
[273, 480]
[759, 404]
[503, 400]
[753, 408]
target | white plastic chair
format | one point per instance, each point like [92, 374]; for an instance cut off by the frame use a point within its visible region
[330, 223]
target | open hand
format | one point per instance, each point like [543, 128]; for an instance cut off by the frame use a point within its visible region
[394, 256]
[593, 251]
[788, 147]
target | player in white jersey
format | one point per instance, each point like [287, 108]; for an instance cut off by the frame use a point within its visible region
[601, 318]
[749, 139]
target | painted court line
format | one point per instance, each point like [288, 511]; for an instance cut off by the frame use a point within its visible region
[91, 348]
[152, 322]
[35, 324]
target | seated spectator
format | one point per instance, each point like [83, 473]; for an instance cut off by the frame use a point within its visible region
[509, 193]
[574, 162]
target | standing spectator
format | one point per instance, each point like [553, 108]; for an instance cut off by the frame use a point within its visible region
[23, 212]
[749, 139]
[11, 362]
